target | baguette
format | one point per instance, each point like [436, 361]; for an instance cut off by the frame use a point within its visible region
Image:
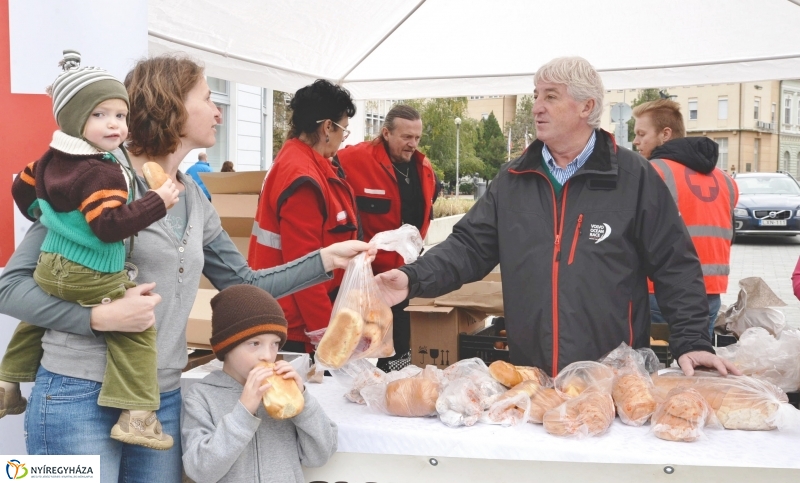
[283, 400]
[510, 375]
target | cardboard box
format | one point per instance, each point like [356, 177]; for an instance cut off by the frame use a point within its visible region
[198, 329]
[235, 197]
[436, 323]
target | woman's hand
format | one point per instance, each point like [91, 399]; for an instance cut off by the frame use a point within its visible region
[339, 254]
[134, 312]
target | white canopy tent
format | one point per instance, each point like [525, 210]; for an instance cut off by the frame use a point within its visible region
[439, 48]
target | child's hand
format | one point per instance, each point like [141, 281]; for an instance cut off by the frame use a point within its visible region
[286, 370]
[253, 389]
[168, 192]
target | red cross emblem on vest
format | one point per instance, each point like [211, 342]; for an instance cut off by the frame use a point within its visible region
[704, 186]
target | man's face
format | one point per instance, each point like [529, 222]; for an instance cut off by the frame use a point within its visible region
[557, 114]
[403, 140]
[647, 136]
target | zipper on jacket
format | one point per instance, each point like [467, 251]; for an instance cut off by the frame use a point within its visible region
[575, 239]
[630, 322]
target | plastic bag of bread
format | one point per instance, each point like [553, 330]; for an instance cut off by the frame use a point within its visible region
[739, 402]
[577, 377]
[361, 322]
[588, 414]
[510, 375]
[682, 416]
[356, 376]
[758, 353]
[543, 400]
[410, 392]
[513, 406]
[632, 389]
[467, 391]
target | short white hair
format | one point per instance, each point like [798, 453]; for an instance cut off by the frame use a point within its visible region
[582, 81]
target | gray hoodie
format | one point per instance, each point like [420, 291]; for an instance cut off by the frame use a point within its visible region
[222, 441]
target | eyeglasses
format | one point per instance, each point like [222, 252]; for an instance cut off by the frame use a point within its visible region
[345, 132]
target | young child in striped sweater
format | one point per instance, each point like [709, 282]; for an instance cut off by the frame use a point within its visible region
[86, 198]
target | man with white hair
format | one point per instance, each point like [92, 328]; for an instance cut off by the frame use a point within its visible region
[577, 225]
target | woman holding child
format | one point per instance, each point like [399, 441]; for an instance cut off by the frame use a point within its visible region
[171, 113]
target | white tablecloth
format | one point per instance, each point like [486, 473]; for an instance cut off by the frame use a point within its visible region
[362, 431]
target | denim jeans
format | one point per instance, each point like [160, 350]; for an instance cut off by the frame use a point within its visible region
[714, 304]
[63, 417]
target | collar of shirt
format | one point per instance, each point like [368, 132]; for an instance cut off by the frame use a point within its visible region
[563, 174]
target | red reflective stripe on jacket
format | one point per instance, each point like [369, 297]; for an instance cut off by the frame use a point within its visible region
[369, 171]
[705, 202]
[308, 207]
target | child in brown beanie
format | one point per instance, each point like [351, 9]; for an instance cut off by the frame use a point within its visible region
[226, 432]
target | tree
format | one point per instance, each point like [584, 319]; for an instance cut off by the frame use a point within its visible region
[280, 119]
[645, 95]
[491, 146]
[439, 136]
[522, 125]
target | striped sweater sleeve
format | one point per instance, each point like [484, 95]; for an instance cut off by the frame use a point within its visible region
[101, 194]
[24, 190]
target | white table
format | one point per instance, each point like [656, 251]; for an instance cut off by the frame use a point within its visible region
[379, 448]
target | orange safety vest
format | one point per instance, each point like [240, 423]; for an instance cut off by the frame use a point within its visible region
[295, 165]
[706, 203]
[374, 181]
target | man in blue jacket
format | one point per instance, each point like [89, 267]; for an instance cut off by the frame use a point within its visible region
[201, 166]
[577, 225]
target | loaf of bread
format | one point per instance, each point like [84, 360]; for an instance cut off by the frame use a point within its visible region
[283, 400]
[543, 400]
[154, 175]
[739, 402]
[577, 377]
[412, 397]
[633, 398]
[513, 406]
[340, 339]
[682, 416]
[510, 375]
[589, 414]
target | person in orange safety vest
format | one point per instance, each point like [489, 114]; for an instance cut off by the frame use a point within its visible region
[706, 195]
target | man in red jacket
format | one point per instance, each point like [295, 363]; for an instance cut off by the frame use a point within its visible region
[394, 185]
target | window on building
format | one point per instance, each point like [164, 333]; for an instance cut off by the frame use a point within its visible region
[723, 152]
[220, 95]
[756, 107]
[787, 111]
[722, 108]
[692, 109]
[798, 112]
[756, 152]
[772, 117]
[786, 160]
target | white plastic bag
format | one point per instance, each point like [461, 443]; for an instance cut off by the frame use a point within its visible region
[761, 355]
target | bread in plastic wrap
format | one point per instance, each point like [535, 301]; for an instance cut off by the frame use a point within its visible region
[632, 389]
[588, 414]
[467, 392]
[513, 406]
[682, 416]
[577, 377]
[510, 375]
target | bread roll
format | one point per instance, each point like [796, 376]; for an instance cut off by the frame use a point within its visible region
[543, 400]
[340, 339]
[577, 377]
[633, 398]
[412, 397]
[283, 400]
[682, 416]
[511, 406]
[154, 175]
[510, 375]
[588, 414]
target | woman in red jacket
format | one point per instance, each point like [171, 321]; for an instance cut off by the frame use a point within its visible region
[306, 203]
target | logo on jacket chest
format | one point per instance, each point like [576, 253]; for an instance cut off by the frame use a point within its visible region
[598, 233]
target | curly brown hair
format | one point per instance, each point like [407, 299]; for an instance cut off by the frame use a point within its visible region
[157, 88]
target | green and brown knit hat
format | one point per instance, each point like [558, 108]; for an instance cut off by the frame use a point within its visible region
[243, 311]
[77, 91]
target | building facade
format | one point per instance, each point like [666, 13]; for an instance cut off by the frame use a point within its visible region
[504, 108]
[740, 117]
[789, 125]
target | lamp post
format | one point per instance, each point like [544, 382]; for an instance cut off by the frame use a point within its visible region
[458, 132]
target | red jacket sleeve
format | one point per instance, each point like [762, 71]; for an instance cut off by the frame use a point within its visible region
[301, 233]
[796, 279]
